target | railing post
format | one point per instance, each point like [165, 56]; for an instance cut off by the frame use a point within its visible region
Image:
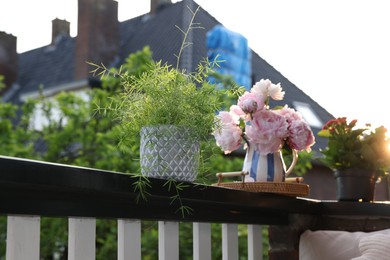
[202, 241]
[168, 240]
[255, 242]
[23, 237]
[229, 241]
[129, 239]
[82, 239]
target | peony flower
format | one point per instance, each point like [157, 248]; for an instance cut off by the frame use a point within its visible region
[268, 89]
[300, 137]
[226, 118]
[237, 113]
[250, 102]
[267, 131]
[228, 134]
[290, 114]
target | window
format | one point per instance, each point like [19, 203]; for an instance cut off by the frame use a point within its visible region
[308, 114]
[39, 119]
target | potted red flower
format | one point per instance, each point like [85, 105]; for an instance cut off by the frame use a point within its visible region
[356, 153]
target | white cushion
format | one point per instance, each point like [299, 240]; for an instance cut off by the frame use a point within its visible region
[376, 247]
[342, 245]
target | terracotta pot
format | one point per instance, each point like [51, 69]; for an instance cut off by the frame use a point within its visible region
[355, 185]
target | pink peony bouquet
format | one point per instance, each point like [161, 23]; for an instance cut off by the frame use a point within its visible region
[267, 129]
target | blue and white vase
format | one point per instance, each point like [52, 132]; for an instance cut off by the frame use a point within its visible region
[266, 168]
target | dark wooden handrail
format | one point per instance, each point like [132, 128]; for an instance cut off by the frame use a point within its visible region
[48, 189]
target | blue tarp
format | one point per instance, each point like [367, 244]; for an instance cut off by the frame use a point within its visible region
[232, 48]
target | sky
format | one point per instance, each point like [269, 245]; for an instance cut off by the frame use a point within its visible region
[336, 51]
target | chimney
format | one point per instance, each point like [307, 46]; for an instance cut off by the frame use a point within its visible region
[8, 59]
[59, 28]
[156, 5]
[98, 35]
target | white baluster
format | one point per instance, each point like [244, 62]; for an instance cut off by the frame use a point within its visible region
[202, 241]
[82, 239]
[129, 239]
[255, 242]
[229, 241]
[23, 236]
[168, 240]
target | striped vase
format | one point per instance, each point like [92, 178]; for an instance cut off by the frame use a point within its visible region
[269, 167]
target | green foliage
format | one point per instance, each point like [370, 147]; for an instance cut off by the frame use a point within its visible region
[224, 163]
[54, 237]
[15, 136]
[106, 239]
[3, 236]
[136, 64]
[353, 147]
[2, 84]
[304, 162]
[176, 187]
[78, 137]
[163, 96]
[149, 240]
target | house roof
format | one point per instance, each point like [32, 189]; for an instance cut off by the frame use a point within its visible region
[53, 65]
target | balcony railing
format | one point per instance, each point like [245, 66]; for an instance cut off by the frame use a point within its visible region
[32, 189]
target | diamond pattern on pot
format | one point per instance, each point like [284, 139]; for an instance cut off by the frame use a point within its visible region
[167, 152]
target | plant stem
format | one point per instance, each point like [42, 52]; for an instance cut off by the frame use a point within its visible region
[184, 43]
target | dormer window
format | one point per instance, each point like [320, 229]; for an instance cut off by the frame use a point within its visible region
[308, 114]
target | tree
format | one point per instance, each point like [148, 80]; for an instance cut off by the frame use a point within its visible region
[78, 136]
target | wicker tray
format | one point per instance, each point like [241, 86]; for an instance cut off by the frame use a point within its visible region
[284, 188]
[290, 188]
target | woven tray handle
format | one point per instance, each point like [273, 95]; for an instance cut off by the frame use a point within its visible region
[221, 175]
